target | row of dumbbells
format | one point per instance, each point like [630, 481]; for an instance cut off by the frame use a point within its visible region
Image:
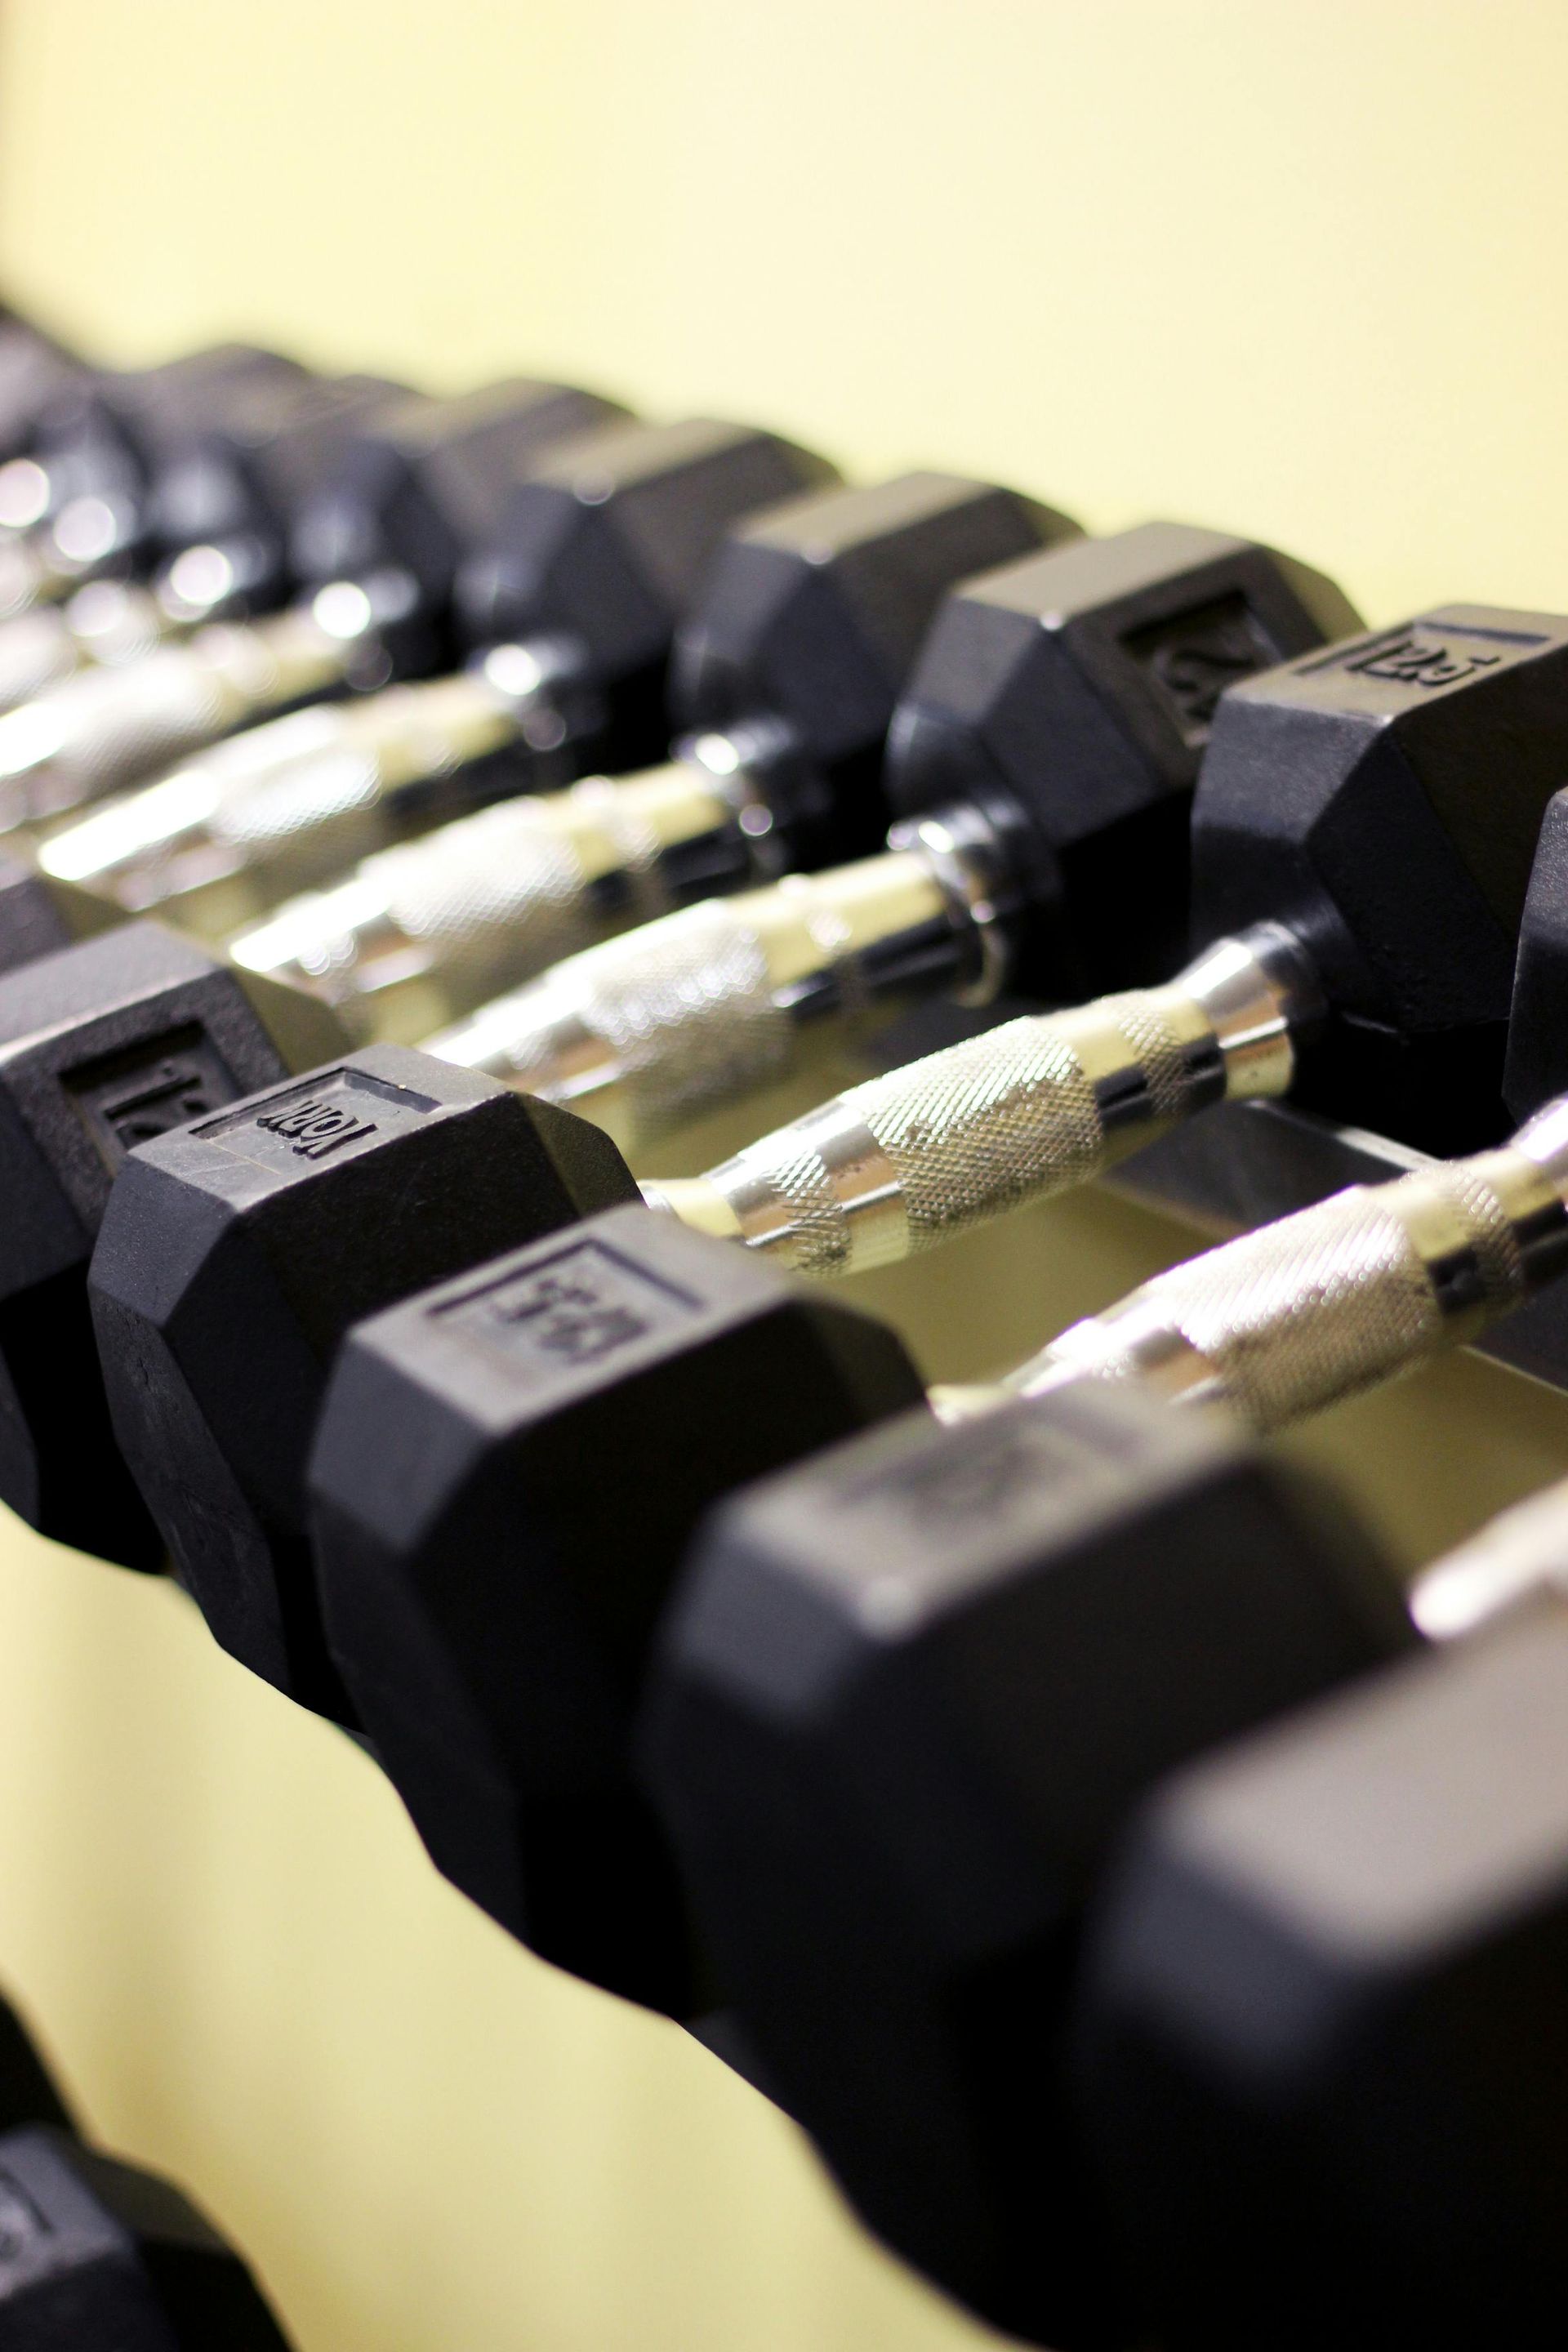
[455, 1432]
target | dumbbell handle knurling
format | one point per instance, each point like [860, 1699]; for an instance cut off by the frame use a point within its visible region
[1341, 1298]
[1015, 1115]
[105, 728]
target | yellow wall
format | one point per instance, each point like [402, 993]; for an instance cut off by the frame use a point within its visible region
[1297, 269]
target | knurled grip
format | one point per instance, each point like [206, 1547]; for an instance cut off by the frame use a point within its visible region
[1018, 1114]
[684, 1009]
[38, 650]
[501, 890]
[105, 728]
[1339, 1298]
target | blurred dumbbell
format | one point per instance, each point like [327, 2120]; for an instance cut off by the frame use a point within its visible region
[35, 368]
[76, 504]
[909, 1693]
[604, 544]
[1323, 2057]
[378, 545]
[225, 483]
[1362, 832]
[1040, 765]
[100, 2256]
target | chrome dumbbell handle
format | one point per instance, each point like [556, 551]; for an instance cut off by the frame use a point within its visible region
[704, 1004]
[105, 728]
[1022, 1112]
[1344, 1297]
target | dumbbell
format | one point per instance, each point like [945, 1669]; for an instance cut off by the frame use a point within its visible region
[378, 546]
[849, 576]
[35, 369]
[75, 503]
[1362, 832]
[224, 484]
[1040, 764]
[100, 2256]
[1321, 2054]
[510, 1469]
[909, 1694]
[102, 1045]
[604, 545]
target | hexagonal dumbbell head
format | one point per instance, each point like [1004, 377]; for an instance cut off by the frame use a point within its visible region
[415, 491]
[102, 1045]
[507, 1473]
[905, 1699]
[237, 1252]
[104, 2258]
[231, 483]
[27, 2092]
[1324, 2052]
[1383, 800]
[1069, 697]
[810, 623]
[603, 549]
[38, 914]
[1537, 1067]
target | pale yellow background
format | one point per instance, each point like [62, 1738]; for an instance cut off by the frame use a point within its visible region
[1298, 269]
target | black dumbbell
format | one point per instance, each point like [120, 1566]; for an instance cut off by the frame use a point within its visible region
[1040, 764]
[1323, 2056]
[1537, 1067]
[931, 1672]
[28, 2092]
[560, 1420]
[98, 2255]
[225, 483]
[35, 369]
[603, 544]
[102, 1045]
[80, 493]
[378, 547]
[1362, 832]
[103, 2257]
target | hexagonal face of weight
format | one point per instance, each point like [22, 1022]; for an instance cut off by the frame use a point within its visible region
[98, 2255]
[507, 1473]
[39, 914]
[1384, 800]
[1324, 2051]
[234, 1256]
[609, 537]
[102, 1045]
[28, 2094]
[813, 615]
[906, 1699]
[1070, 695]
[1537, 1065]
[415, 487]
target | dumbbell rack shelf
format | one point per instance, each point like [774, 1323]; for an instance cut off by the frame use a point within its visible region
[1244, 1164]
